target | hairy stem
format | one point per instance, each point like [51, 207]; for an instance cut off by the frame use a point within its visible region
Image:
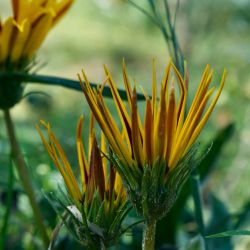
[24, 176]
[148, 242]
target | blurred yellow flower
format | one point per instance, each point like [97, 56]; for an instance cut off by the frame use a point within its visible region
[23, 33]
[169, 129]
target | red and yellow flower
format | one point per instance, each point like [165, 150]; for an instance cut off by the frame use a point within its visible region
[167, 133]
[100, 199]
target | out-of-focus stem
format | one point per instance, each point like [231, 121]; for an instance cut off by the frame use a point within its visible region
[24, 176]
[57, 230]
[196, 192]
[8, 208]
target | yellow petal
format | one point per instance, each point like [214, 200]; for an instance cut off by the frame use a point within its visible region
[61, 8]
[5, 41]
[37, 34]
[81, 155]
[182, 103]
[161, 136]
[136, 136]
[65, 172]
[104, 159]
[187, 130]
[209, 111]
[122, 112]
[148, 133]
[103, 117]
[26, 9]
[154, 89]
[127, 85]
[171, 123]
[20, 35]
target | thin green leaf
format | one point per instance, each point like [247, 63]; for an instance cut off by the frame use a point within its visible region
[145, 13]
[229, 234]
[100, 215]
[220, 221]
[121, 214]
[131, 226]
[56, 230]
[56, 203]
[94, 207]
[196, 192]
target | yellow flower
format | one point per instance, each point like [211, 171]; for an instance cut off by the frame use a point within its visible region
[167, 133]
[23, 33]
[98, 206]
[94, 173]
[154, 158]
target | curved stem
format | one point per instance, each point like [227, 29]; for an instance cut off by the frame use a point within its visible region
[57, 230]
[24, 176]
[59, 81]
[148, 242]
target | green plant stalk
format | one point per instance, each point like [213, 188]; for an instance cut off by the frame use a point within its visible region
[58, 81]
[24, 176]
[148, 242]
[57, 230]
[196, 193]
[167, 28]
[176, 53]
[8, 207]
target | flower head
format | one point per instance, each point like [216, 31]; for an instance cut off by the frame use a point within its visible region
[20, 37]
[22, 34]
[100, 197]
[160, 144]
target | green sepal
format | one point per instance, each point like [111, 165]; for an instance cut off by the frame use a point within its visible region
[94, 207]
[128, 177]
[159, 171]
[57, 205]
[145, 191]
[97, 227]
[99, 216]
[153, 190]
[10, 93]
[121, 214]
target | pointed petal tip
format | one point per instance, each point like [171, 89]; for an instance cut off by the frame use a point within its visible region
[81, 118]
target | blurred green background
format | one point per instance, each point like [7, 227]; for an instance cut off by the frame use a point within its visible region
[104, 32]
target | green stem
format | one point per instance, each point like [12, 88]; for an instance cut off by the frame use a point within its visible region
[148, 242]
[8, 207]
[58, 81]
[196, 192]
[57, 230]
[24, 176]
